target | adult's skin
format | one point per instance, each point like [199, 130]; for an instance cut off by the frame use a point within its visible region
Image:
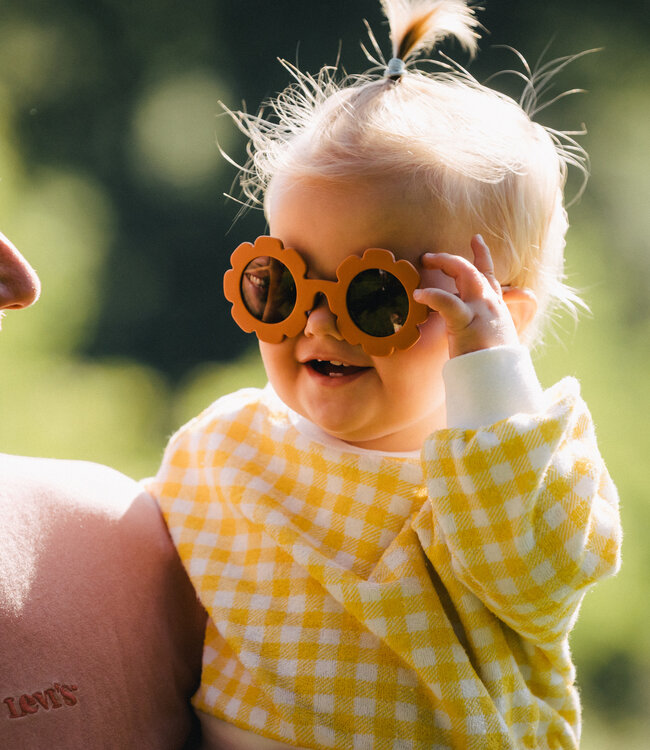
[100, 630]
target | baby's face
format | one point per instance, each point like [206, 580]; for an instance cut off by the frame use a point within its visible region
[388, 403]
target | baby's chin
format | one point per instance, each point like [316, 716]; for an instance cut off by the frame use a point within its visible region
[376, 440]
[347, 433]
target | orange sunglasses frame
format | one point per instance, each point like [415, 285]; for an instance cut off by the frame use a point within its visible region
[335, 291]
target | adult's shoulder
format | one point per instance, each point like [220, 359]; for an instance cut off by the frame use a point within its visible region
[85, 503]
[97, 617]
[68, 483]
[88, 507]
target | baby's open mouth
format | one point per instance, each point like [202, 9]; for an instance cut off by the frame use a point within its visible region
[334, 368]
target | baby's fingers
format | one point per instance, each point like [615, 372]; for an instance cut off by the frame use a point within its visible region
[469, 280]
[456, 314]
[483, 260]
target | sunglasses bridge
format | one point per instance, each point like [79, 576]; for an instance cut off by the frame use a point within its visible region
[319, 291]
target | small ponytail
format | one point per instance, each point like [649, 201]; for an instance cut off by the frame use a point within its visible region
[416, 26]
[457, 146]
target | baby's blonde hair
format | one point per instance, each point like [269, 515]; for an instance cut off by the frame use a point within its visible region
[473, 153]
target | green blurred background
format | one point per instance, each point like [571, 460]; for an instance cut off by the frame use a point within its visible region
[112, 185]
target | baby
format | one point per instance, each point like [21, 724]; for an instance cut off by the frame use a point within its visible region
[393, 538]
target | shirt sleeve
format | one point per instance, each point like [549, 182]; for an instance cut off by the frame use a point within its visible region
[528, 512]
[489, 385]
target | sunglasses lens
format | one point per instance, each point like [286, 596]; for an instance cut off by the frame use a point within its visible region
[377, 302]
[268, 290]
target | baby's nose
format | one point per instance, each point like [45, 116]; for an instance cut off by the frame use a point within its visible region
[19, 284]
[321, 321]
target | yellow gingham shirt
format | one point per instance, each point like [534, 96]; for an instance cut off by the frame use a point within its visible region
[367, 600]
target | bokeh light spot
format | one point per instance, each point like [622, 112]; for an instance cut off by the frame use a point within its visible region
[174, 130]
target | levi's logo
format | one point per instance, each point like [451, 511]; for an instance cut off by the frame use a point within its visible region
[27, 704]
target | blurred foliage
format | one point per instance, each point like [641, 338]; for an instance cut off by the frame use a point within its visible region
[112, 185]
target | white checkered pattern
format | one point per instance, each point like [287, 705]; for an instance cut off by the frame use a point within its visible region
[362, 600]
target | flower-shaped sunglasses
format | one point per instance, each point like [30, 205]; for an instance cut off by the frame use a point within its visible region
[372, 297]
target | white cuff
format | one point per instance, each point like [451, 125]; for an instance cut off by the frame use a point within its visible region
[487, 386]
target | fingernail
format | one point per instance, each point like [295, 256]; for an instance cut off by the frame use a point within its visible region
[480, 238]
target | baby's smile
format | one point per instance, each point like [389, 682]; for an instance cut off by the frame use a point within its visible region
[329, 363]
[334, 368]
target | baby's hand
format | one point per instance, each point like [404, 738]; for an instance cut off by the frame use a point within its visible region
[477, 317]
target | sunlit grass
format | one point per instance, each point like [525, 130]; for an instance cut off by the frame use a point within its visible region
[110, 412]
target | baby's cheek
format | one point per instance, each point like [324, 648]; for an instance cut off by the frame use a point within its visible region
[433, 337]
[427, 356]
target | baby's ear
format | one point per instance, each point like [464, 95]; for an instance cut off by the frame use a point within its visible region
[522, 304]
